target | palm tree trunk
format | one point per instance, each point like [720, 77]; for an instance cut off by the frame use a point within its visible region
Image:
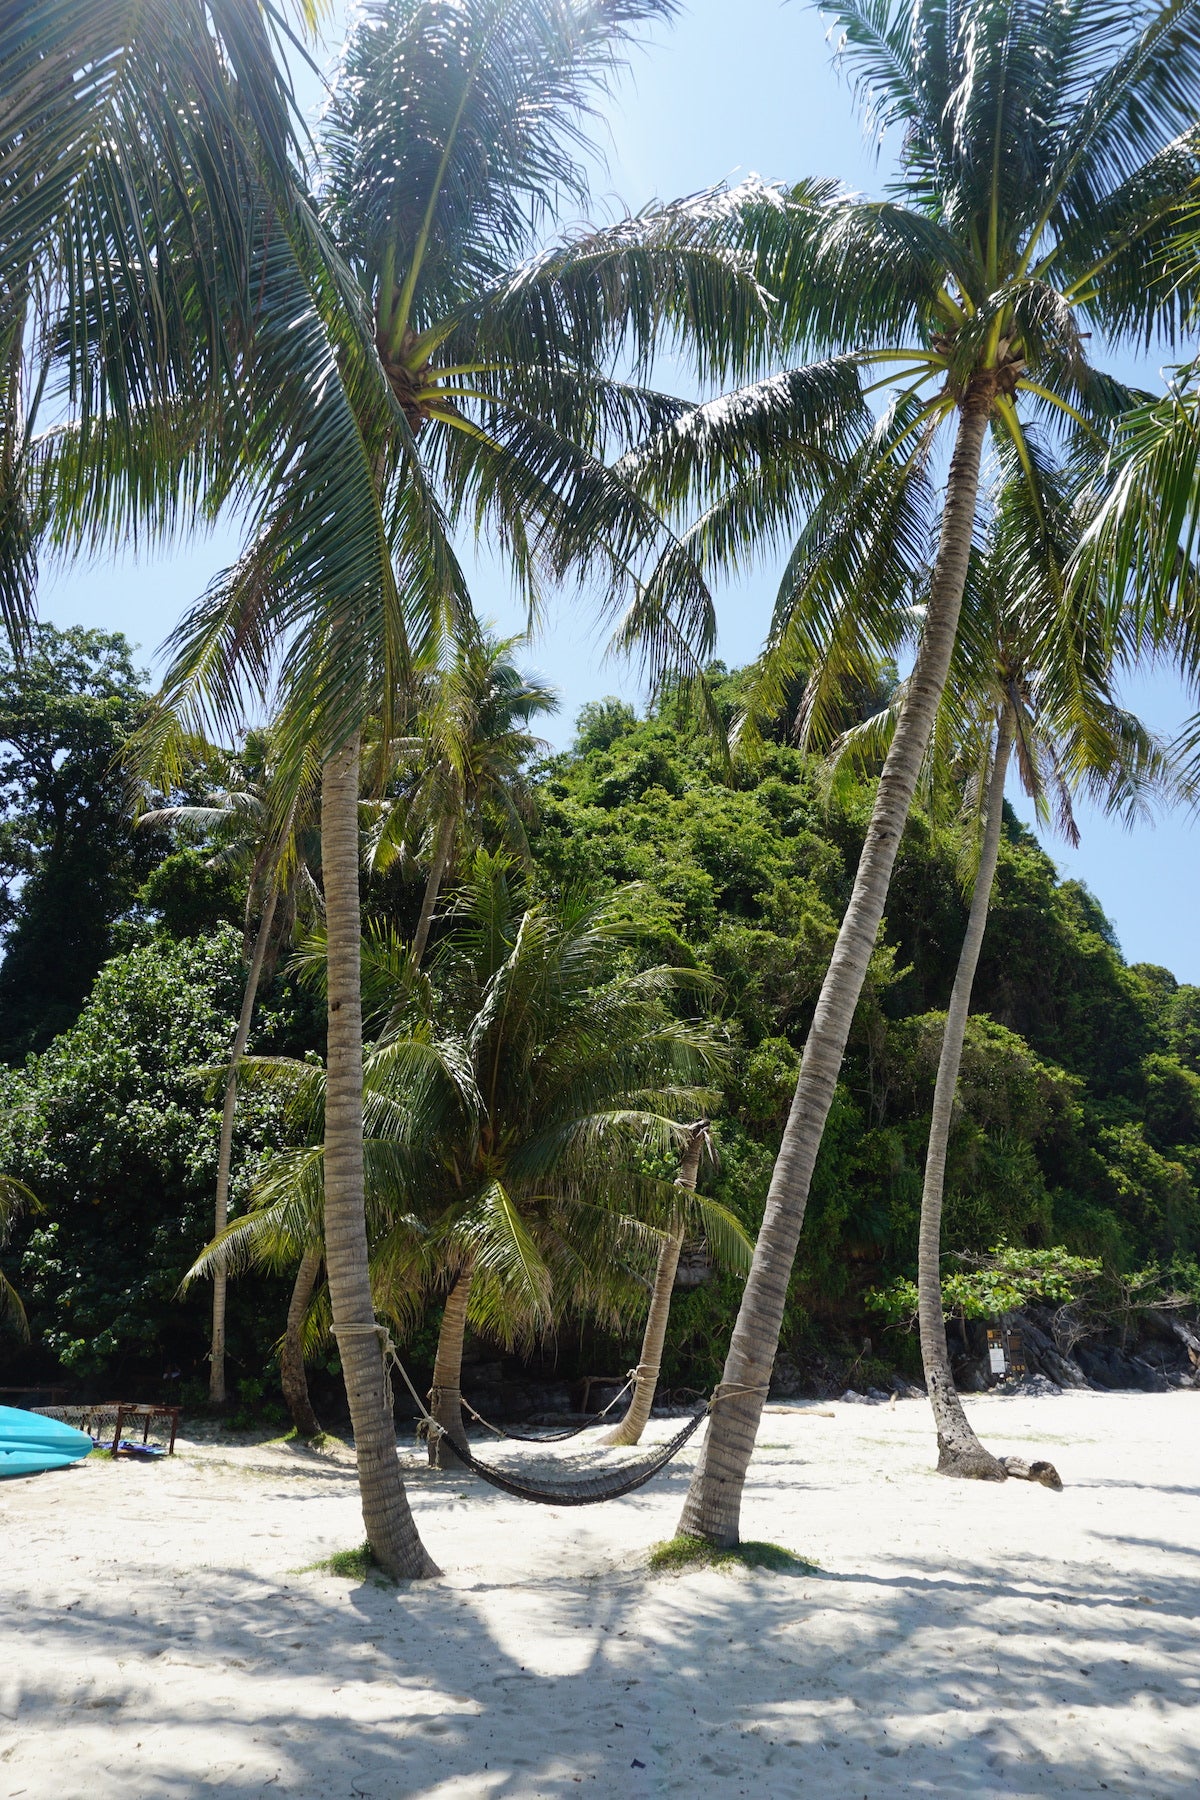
[713, 1504]
[292, 1378]
[443, 845]
[959, 1450]
[631, 1427]
[216, 1355]
[446, 1396]
[391, 1532]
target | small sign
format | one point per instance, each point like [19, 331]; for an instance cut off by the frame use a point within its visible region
[996, 1359]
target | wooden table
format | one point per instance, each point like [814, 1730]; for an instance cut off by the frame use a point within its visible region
[138, 1410]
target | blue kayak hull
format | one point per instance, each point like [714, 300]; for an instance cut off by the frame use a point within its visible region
[30, 1444]
[35, 1462]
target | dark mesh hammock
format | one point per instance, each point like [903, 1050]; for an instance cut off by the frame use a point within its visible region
[583, 1490]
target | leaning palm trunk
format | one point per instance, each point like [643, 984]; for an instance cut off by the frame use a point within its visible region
[713, 1503]
[959, 1450]
[216, 1357]
[441, 856]
[292, 1378]
[391, 1532]
[631, 1427]
[445, 1400]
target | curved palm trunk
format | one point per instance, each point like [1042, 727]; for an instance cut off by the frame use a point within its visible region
[713, 1504]
[631, 1427]
[445, 1400]
[216, 1355]
[391, 1532]
[433, 887]
[292, 1378]
[959, 1450]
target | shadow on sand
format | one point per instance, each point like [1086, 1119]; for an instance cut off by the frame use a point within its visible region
[836, 1685]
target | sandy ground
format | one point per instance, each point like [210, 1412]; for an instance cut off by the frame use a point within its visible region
[158, 1638]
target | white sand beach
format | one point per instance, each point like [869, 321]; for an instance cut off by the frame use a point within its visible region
[157, 1636]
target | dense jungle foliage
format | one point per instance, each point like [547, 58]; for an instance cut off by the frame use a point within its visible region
[1080, 1094]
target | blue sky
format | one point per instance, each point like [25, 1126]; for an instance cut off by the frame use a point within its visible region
[733, 87]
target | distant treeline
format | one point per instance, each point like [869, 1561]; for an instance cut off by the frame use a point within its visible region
[1079, 1119]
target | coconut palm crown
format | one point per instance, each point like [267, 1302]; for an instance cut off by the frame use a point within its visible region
[478, 358]
[517, 1101]
[1046, 150]
[466, 766]
[1031, 681]
[475, 363]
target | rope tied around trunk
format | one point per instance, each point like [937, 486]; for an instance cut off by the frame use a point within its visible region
[586, 1490]
[387, 1351]
[729, 1391]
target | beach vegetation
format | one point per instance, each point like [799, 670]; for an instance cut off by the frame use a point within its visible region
[1044, 162]
[683, 1553]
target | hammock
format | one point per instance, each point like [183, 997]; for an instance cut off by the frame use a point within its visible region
[585, 1490]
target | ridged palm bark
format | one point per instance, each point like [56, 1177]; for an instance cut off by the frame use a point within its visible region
[1046, 153]
[391, 1532]
[713, 1504]
[292, 1377]
[959, 1450]
[443, 845]
[445, 1401]
[1030, 682]
[216, 1355]
[631, 1427]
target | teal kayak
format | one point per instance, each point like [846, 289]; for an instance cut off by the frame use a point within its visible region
[30, 1444]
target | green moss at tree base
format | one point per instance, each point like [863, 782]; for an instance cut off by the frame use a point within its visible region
[348, 1565]
[688, 1552]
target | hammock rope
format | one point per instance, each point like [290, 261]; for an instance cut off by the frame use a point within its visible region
[544, 1437]
[584, 1490]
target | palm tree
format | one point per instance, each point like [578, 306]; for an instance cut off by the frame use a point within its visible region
[279, 887]
[466, 765]
[511, 1102]
[163, 257]
[132, 268]
[1139, 556]
[1046, 151]
[282, 1232]
[1031, 675]
[14, 1196]
[571, 1067]
[483, 392]
[631, 1427]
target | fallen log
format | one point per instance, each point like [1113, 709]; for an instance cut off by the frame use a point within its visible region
[1020, 1470]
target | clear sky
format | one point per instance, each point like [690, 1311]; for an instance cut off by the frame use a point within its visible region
[733, 87]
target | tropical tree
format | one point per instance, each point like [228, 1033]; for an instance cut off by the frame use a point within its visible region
[466, 766]
[576, 1070]
[164, 263]
[512, 1102]
[240, 819]
[1031, 679]
[132, 135]
[70, 864]
[1139, 554]
[14, 1196]
[282, 1232]
[168, 277]
[479, 388]
[1046, 152]
[637, 1415]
